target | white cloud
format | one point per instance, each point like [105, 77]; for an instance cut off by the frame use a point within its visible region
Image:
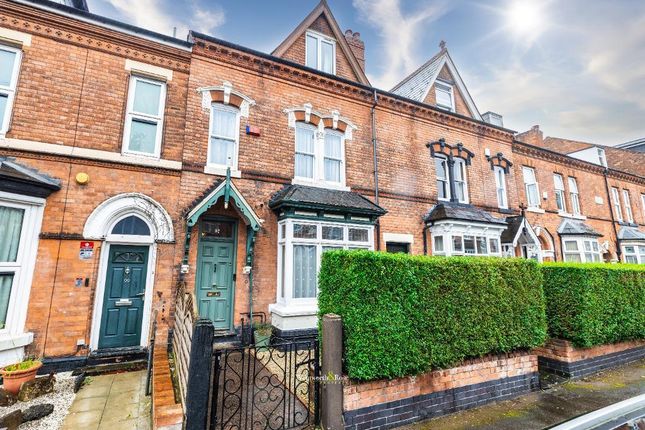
[399, 33]
[153, 15]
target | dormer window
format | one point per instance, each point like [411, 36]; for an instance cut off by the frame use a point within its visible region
[444, 96]
[601, 157]
[320, 52]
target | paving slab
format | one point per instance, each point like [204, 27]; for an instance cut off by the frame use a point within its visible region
[545, 408]
[111, 402]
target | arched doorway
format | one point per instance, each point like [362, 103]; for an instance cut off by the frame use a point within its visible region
[130, 226]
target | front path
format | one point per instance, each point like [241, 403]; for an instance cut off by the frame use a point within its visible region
[549, 407]
[112, 402]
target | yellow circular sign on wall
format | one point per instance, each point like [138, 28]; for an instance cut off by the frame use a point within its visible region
[82, 178]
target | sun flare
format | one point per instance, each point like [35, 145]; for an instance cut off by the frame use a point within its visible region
[526, 18]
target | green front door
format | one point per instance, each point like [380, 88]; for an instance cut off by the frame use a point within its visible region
[125, 287]
[215, 272]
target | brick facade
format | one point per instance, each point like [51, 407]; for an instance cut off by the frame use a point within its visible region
[68, 118]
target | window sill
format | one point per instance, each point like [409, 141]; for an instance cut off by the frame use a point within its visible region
[221, 171]
[535, 210]
[572, 216]
[294, 309]
[12, 341]
[331, 186]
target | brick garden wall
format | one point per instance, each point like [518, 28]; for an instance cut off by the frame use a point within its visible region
[389, 403]
[563, 358]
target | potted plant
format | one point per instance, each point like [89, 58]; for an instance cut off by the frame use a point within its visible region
[15, 374]
[262, 334]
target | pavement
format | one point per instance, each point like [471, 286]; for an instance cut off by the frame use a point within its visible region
[547, 407]
[116, 401]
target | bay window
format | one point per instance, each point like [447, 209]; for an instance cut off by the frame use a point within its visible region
[500, 185]
[320, 52]
[20, 221]
[615, 199]
[628, 206]
[144, 117]
[634, 254]
[301, 244]
[224, 136]
[319, 157]
[531, 187]
[560, 200]
[9, 69]
[581, 250]
[574, 196]
[465, 244]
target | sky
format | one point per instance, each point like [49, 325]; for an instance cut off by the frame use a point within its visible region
[574, 67]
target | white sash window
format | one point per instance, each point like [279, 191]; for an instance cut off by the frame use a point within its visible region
[9, 68]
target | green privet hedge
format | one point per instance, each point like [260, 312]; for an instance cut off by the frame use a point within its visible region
[594, 304]
[403, 315]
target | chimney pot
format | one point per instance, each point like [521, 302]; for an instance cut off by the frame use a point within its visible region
[357, 46]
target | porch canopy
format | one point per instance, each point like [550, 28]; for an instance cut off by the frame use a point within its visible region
[293, 199]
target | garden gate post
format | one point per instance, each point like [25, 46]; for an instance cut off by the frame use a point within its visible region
[199, 375]
[332, 372]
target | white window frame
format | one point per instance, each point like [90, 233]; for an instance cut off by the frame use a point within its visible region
[445, 179]
[574, 196]
[628, 206]
[643, 204]
[450, 229]
[560, 192]
[130, 115]
[638, 254]
[615, 197]
[22, 269]
[500, 187]
[319, 158]
[460, 164]
[216, 167]
[446, 88]
[320, 38]
[285, 257]
[10, 90]
[582, 251]
[527, 184]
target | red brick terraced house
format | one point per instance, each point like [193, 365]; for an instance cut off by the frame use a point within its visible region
[133, 163]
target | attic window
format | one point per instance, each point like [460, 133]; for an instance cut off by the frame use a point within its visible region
[444, 95]
[65, 2]
[320, 52]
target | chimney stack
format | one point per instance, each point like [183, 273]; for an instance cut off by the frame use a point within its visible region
[534, 136]
[357, 46]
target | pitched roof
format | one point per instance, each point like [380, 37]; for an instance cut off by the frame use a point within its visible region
[630, 234]
[514, 224]
[324, 198]
[323, 9]
[460, 211]
[617, 158]
[576, 228]
[417, 85]
[637, 145]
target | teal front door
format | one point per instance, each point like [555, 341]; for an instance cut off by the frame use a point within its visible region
[125, 287]
[216, 272]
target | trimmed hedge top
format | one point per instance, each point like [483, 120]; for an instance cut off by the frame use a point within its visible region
[404, 314]
[594, 304]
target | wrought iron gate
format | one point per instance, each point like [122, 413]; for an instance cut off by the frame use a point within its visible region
[266, 388]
